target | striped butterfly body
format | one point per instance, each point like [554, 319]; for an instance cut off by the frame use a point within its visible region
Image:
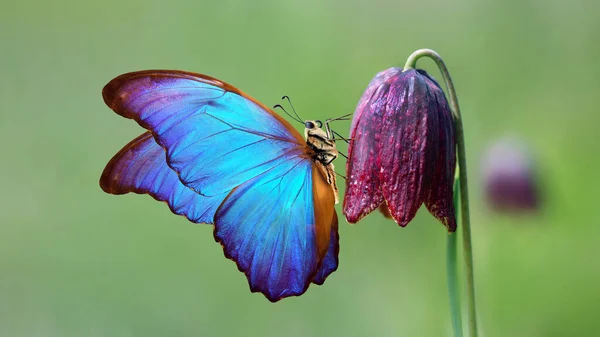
[323, 144]
[217, 156]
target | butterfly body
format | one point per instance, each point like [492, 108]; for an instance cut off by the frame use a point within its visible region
[216, 155]
[324, 151]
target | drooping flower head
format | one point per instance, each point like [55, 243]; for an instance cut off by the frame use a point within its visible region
[402, 149]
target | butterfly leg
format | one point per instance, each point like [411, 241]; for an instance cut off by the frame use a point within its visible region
[328, 128]
[341, 137]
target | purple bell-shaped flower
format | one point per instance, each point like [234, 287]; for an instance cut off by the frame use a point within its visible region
[402, 150]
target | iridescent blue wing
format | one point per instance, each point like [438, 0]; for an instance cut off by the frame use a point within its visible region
[330, 262]
[277, 242]
[141, 167]
[276, 220]
[216, 137]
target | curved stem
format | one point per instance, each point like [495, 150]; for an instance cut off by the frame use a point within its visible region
[464, 193]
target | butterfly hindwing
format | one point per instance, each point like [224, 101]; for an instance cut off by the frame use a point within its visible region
[330, 261]
[275, 241]
[141, 167]
[267, 226]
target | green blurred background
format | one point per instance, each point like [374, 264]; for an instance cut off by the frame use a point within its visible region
[75, 261]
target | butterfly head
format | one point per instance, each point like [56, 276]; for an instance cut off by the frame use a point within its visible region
[309, 125]
[315, 135]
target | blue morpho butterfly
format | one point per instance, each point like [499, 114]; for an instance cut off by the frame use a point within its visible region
[215, 155]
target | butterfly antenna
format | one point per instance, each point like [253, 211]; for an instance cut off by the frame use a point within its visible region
[287, 113]
[290, 102]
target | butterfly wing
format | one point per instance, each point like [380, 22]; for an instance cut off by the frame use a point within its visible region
[330, 262]
[276, 220]
[280, 241]
[141, 167]
[216, 137]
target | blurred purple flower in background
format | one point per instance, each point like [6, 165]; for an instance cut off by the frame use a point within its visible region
[510, 183]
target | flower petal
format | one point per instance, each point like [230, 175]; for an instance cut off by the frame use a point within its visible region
[363, 193]
[439, 198]
[405, 148]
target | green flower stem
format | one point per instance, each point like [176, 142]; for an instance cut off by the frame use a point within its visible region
[452, 279]
[464, 193]
[451, 270]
